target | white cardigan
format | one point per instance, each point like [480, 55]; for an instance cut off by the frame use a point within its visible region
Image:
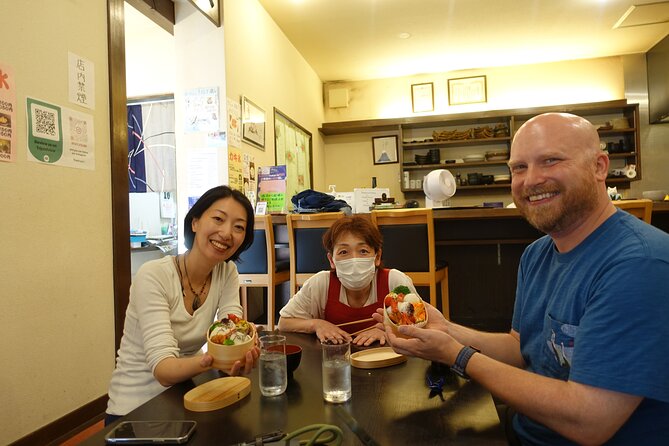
[157, 326]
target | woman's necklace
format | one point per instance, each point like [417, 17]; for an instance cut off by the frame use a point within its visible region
[196, 296]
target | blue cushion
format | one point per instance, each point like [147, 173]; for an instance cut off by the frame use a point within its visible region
[405, 247]
[310, 256]
[254, 259]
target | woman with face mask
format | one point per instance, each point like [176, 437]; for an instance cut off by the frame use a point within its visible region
[351, 291]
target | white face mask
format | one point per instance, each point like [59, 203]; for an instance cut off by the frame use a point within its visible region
[356, 273]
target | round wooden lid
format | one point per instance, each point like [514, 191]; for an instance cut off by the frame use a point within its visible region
[375, 358]
[217, 393]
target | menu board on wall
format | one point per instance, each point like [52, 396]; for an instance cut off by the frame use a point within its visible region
[272, 188]
[235, 169]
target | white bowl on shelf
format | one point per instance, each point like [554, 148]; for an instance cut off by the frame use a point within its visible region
[474, 158]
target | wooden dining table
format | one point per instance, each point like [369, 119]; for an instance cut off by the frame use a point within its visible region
[390, 405]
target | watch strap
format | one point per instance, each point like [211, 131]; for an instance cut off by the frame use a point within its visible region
[460, 364]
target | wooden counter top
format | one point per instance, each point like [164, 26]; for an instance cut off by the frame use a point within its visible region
[660, 206]
[460, 213]
[466, 213]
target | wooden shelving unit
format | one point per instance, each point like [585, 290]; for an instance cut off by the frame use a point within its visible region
[415, 135]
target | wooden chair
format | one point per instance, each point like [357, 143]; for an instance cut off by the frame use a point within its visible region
[642, 208]
[408, 245]
[259, 267]
[305, 242]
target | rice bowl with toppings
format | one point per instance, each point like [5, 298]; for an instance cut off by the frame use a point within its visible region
[229, 339]
[401, 307]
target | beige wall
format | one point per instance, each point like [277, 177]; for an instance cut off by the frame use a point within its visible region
[349, 158]
[263, 65]
[569, 82]
[57, 319]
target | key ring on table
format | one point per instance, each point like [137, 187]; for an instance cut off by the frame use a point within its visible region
[435, 378]
[334, 434]
[325, 434]
[436, 385]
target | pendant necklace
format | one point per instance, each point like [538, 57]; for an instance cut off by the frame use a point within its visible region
[196, 296]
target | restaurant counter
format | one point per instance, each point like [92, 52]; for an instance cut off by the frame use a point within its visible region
[483, 247]
[389, 406]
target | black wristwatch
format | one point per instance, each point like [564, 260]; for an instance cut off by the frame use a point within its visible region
[460, 364]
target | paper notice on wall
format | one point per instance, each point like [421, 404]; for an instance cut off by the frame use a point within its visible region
[272, 187]
[234, 112]
[168, 207]
[217, 140]
[60, 136]
[249, 177]
[201, 110]
[202, 172]
[81, 74]
[235, 169]
[7, 113]
[363, 198]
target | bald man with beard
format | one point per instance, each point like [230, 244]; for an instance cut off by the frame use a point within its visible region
[587, 357]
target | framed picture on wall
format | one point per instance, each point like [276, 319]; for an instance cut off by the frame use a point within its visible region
[210, 8]
[293, 148]
[422, 97]
[467, 90]
[384, 149]
[253, 123]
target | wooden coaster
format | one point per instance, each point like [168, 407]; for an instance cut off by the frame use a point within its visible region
[217, 394]
[375, 358]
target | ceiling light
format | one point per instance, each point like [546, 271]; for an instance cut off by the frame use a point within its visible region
[404, 35]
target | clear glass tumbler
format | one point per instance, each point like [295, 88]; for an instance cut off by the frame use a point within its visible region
[336, 371]
[273, 370]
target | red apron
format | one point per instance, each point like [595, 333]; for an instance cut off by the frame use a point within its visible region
[339, 313]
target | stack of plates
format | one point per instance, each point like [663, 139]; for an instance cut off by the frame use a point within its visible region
[502, 178]
[422, 159]
[474, 157]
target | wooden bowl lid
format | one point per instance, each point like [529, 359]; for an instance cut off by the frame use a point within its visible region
[375, 358]
[217, 394]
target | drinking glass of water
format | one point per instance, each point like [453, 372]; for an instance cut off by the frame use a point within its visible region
[273, 370]
[336, 371]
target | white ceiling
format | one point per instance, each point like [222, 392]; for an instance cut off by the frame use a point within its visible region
[358, 39]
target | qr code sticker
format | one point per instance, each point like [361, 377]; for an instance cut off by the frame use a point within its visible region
[78, 130]
[45, 122]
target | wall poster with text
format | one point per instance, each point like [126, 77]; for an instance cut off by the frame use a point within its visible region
[7, 113]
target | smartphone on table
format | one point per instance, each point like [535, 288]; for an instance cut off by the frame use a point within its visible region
[151, 432]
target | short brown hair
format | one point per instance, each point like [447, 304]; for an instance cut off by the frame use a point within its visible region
[357, 225]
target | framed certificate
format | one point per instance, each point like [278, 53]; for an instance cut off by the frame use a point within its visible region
[422, 97]
[467, 90]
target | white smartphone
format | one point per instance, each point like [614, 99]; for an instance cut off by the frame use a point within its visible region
[147, 432]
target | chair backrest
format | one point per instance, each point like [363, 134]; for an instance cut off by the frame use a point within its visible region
[260, 257]
[642, 208]
[305, 241]
[407, 235]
